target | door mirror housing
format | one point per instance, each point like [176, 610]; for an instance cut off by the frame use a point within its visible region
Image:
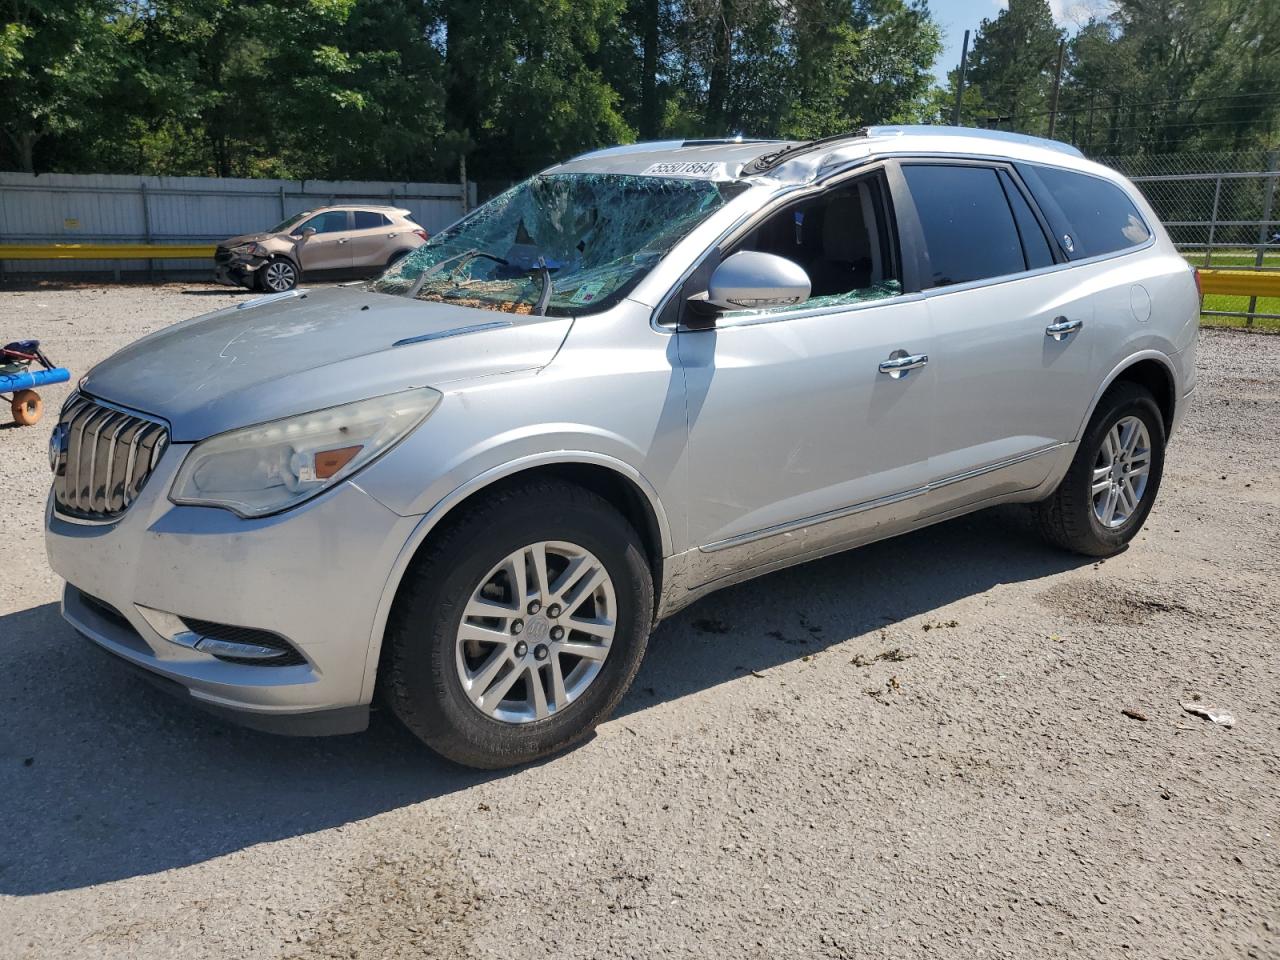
[751, 280]
[307, 234]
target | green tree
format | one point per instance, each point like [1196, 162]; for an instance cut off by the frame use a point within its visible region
[1012, 64]
[57, 58]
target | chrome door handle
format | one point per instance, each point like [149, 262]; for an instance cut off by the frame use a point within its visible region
[344, 239]
[1061, 328]
[901, 363]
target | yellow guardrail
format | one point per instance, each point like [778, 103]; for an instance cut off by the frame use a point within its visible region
[105, 251]
[1241, 283]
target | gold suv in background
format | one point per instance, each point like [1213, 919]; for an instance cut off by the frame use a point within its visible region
[329, 242]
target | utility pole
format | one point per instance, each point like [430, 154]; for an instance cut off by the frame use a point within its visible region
[1057, 88]
[964, 58]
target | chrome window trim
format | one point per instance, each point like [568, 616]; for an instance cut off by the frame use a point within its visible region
[853, 167]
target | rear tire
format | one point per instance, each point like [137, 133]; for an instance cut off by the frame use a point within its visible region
[473, 700]
[27, 408]
[277, 275]
[1093, 510]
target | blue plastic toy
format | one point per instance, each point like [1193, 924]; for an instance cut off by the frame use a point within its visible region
[19, 379]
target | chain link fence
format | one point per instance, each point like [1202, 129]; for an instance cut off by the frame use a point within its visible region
[1222, 211]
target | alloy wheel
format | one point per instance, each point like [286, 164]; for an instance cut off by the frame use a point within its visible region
[1121, 471]
[279, 276]
[536, 632]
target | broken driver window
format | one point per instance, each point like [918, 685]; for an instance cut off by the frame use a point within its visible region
[841, 238]
[563, 244]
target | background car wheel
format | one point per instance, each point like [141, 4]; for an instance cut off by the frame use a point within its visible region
[520, 627]
[26, 407]
[278, 276]
[396, 258]
[1112, 483]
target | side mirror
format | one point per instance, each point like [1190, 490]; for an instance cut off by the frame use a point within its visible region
[307, 234]
[751, 280]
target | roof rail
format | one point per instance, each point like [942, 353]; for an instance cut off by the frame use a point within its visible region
[1006, 136]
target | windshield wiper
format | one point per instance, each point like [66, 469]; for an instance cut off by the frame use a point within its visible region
[461, 259]
[544, 298]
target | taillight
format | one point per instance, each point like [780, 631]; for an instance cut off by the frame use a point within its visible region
[1199, 289]
[425, 236]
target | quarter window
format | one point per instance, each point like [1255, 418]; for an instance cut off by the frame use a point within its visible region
[968, 228]
[1100, 216]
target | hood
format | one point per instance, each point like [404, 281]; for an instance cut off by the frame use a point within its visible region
[247, 238]
[273, 358]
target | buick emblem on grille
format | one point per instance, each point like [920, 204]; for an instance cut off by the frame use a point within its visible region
[57, 446]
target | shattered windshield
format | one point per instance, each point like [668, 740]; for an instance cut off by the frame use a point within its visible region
[561, 243]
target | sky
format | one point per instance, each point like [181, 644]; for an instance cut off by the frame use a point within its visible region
[957, 16]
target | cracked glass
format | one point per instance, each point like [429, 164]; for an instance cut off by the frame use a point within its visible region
[592, 236]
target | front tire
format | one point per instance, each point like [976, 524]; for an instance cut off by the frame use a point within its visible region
[1112, 482]
[277, 275]
[520, 627]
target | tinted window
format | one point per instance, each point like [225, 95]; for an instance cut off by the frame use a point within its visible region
[330, 222]
[367, 220]
[968, 228]
[1034, 243]
[1100, 217]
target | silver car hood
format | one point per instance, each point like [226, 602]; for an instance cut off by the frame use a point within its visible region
[260, 362]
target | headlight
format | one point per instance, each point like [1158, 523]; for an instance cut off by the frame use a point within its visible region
[249, 250]
[270, 467]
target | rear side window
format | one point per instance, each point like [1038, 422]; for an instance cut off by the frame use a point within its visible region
[367, 220]
[1100, 217]
[968, 228]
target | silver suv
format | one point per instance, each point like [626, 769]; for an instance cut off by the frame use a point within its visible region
[470, 487]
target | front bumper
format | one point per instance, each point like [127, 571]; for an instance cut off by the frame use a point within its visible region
[314, 575]
[237, 271]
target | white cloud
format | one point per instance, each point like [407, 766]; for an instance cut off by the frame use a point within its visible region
[1071, 13]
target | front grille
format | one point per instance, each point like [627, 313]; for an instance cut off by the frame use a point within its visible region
[222, 255]
[102, 457]
[106, 611]
[288, 656]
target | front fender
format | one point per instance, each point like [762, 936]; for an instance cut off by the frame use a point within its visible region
[479, 481]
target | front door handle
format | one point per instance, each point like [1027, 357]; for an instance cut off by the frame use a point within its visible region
[1061, 328]
[343, 239]
[900, 363]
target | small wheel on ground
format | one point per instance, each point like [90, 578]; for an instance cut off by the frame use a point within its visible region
[1112, 483]
[520, 627]
[27, 407]
[277, 276]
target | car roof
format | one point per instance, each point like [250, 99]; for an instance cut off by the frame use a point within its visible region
[794, 160]
[373, 207]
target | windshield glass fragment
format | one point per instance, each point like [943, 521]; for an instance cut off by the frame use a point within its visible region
[592, 236]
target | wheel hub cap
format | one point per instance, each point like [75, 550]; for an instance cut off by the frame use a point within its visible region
[536, 632]
[1120, 472]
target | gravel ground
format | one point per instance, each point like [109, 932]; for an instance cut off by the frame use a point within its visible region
[915, 749]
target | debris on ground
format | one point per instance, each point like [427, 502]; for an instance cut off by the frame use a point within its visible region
[1133, 714]
[895, 655]
[941, 624]
[1220, 717]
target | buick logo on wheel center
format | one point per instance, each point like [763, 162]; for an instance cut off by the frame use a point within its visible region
[537, 630]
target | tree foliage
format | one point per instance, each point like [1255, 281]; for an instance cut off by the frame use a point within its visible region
[1155, 76]
[406, 89]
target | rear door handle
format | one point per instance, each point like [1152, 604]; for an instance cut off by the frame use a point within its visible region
[343, 239]
[900, 363]
[1061, 328]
